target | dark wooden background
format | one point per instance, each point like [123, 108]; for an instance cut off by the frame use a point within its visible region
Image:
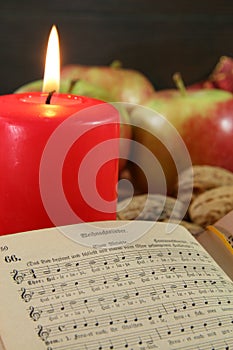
[156, 37]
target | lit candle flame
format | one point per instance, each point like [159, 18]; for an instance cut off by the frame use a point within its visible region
[52, 64]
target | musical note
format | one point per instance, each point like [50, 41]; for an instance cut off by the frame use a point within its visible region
[168, 330]
[96, 322]
[72, 303]
[43, 333]
[85, 322]
[103, 302]
[101, 299]
[139, 257]
[33, 273]
[62, 307]
[139, 341]
[47, 271]
[105, 261]
[62, 328]
[51, 310]
[18, 277]
[116, 278]
[42, 291]
[26, 295]
[34, 313]
[163, 269]
[142, 273]
[126, 296]
[111, 344]
[184, 307]
[149, 256]
[173, 286]
[92, 262]
[150, 341]
[68, 265]
[116, 259]
[76, 284]
[91, 281]
[63, 285]
[154, 292]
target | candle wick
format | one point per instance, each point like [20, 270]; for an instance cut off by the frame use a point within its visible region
[48, 99]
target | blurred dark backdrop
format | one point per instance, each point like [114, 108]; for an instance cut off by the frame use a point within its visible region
[155, 37]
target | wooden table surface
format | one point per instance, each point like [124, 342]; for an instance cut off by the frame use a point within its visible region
[155, 37]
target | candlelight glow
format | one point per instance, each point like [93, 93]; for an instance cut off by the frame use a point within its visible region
[52, 63]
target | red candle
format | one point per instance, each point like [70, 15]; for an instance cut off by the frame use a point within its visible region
[58, 161]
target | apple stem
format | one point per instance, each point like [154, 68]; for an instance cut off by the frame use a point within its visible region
[72, 84]
[116, 64]
[180, 84]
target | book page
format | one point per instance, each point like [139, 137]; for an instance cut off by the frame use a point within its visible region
[162, 291]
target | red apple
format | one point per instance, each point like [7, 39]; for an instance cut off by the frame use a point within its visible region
[209, 137]
[125, 85]
[204, 120]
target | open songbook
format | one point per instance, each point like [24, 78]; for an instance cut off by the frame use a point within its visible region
[160, 291]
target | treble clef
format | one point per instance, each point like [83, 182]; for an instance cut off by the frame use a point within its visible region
[18, 277]
[43, 333]
[34, 314]
[26, 295]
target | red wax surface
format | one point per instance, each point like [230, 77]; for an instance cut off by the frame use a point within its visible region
[26, 126]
